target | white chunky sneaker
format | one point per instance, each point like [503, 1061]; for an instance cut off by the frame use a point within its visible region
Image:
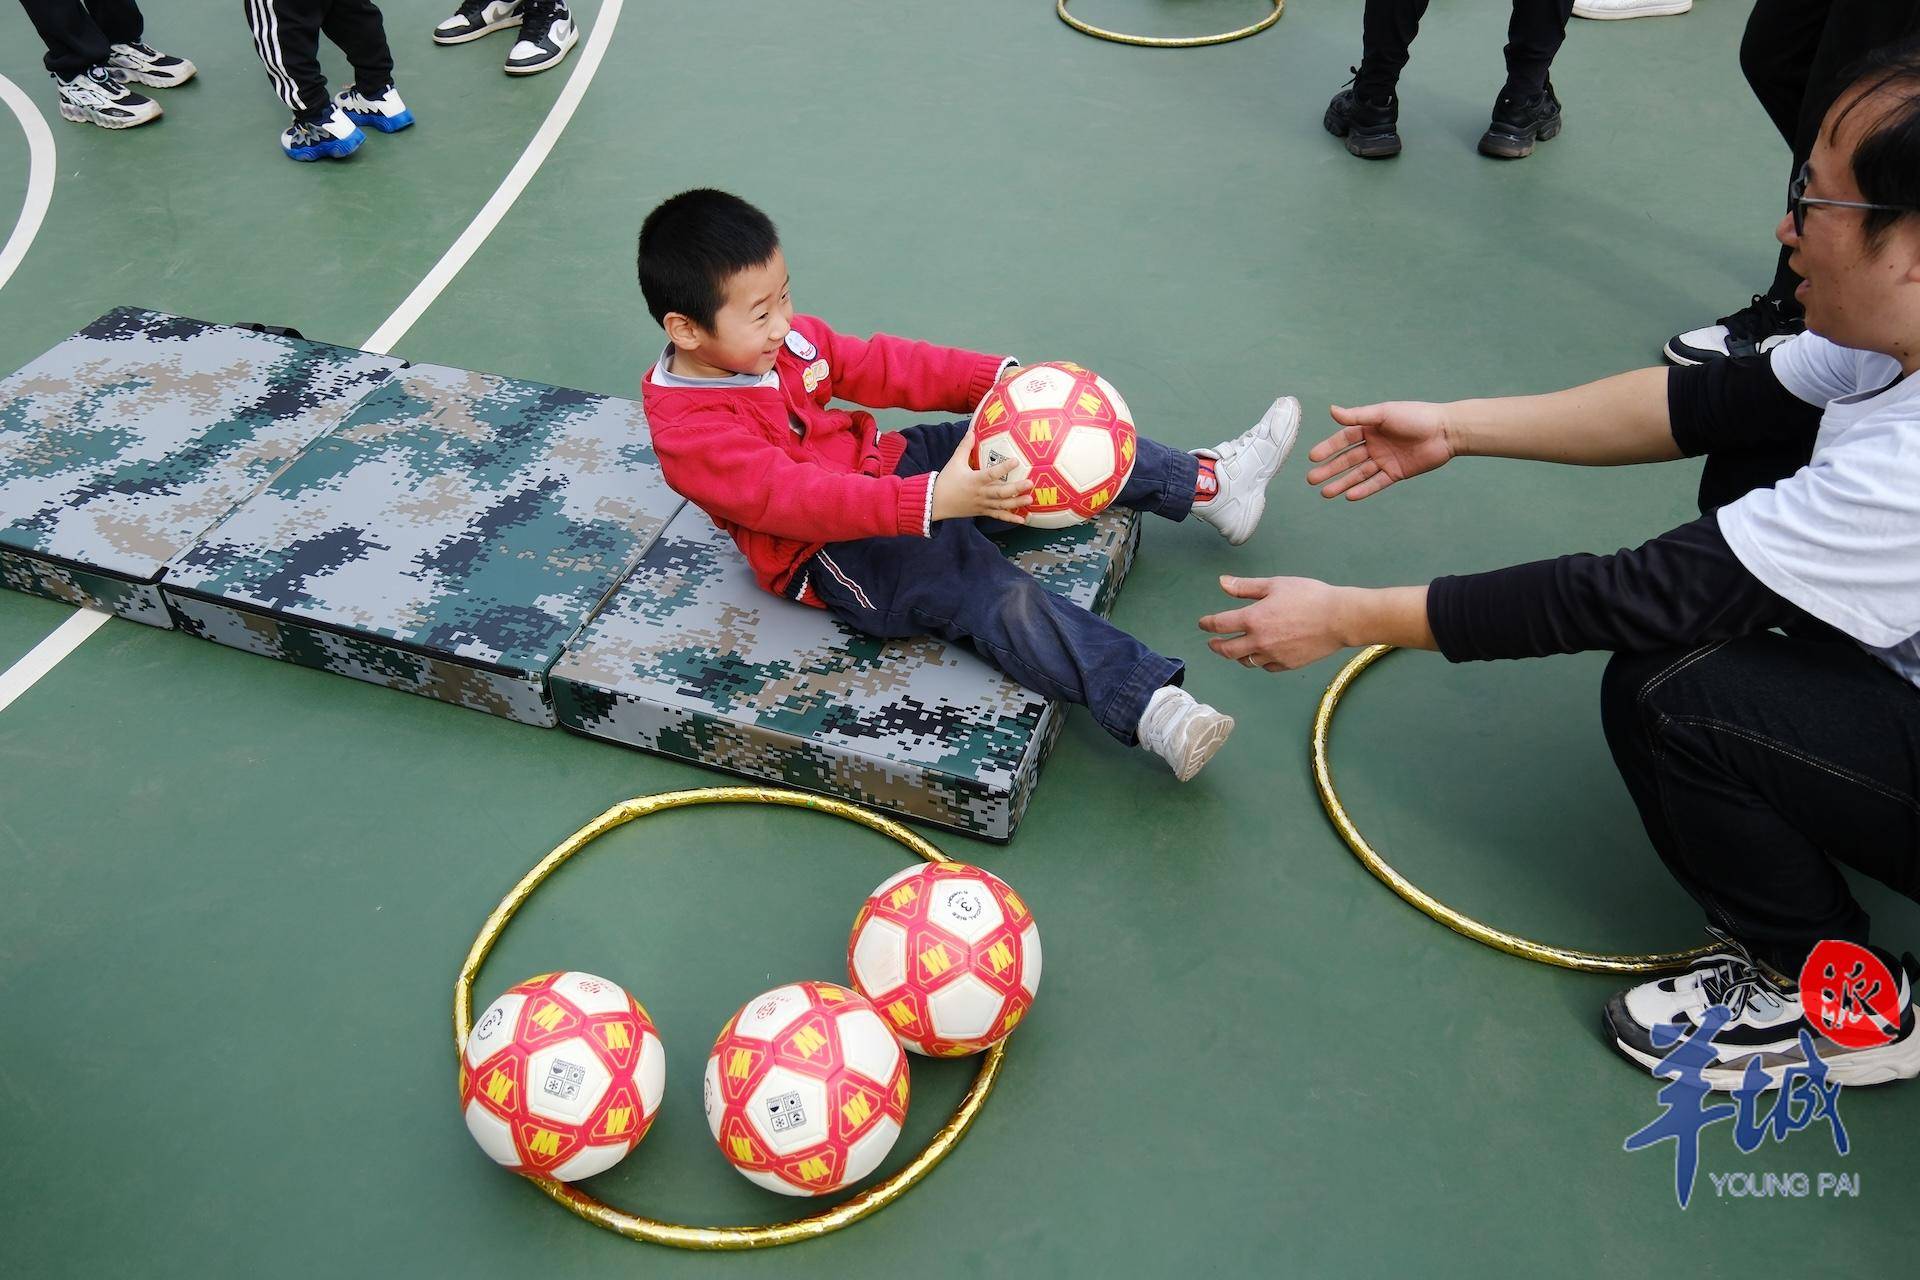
[1181, 731]
[383, 111]
[332, 137]
[147, 65]
[97, 96]
[1243, 466]
[1629, 8]
[547, 31]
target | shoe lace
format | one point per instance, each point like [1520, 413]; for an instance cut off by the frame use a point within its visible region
[1737, 980]
[535, 15]
[1755, 320]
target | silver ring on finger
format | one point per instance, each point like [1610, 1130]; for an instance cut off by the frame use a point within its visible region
[1247, 661]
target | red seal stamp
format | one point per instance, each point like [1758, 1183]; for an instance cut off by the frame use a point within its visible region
[1849, 995]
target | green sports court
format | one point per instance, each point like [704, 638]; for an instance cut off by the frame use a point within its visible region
[235, 893]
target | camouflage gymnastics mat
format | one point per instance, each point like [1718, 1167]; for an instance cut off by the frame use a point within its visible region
[691, 659]
[448, 538]
[122, 445]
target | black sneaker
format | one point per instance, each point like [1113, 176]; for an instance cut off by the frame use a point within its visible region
[547, 31]
[97, 96]
[1518, 123]
[1369, 125]
[1764, 1024]
[1753, 330]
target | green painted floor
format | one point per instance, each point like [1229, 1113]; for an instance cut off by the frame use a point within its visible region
[233, 893]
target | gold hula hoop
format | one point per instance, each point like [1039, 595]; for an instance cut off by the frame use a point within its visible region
[1168, 42]
[633, 1226]
[1426, 903]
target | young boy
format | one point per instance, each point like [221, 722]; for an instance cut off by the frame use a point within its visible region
[880, 530]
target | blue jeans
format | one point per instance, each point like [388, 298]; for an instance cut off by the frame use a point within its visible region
[957, 585]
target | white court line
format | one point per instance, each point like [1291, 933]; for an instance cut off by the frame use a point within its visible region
[66, 637]
[20, 677]
[40, 168]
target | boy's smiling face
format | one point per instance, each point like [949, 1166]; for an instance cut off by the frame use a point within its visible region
[748, 330]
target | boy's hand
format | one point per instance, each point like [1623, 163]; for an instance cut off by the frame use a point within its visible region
[960, 492]
[1381, 444]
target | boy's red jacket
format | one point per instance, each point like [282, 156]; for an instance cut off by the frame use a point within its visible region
[784, 493]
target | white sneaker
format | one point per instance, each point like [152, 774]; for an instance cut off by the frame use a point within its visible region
[1629, 8]
[148, 65]
[333, 137]
[97, 96]
[547, 31]
[383, 111]
[1181, 731]
[1243, 466]
[477, 18]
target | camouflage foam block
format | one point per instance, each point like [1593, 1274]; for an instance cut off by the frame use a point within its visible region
[691, 659]
[448, 539]
[127, 441]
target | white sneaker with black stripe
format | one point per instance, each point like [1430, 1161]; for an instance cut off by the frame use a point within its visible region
[1764, 1026]
[147, 65]
[97, 96]
[547, 31]
[477, 18]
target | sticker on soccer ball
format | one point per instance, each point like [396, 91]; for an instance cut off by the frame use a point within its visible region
[806, 1090]
[1064, 428]
[949, 955]
[562, 1076]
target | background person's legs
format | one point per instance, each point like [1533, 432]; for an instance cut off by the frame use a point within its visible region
[1534, 35]
[77, 36]
[357, 28]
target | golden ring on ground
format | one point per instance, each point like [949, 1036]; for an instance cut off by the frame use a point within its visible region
[631, 1225]
[1426, 903]
[1168, 42]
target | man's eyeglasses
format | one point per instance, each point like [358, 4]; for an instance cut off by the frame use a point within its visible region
[1798, 200]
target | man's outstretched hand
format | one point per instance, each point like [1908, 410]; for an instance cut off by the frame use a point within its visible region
[1379, 444]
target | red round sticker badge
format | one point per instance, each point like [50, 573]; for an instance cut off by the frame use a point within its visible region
[1849, 995]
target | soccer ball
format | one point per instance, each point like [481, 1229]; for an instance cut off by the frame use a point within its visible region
[949, 955]
[1067, 430]
[806, 1089]
[562, 1076]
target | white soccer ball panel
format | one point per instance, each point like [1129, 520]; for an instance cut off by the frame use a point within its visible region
[650, 1073]
[590, 994]
[1120, 410]
[566, 1081]
[964, 908]
[1040, 388]
[1087, 459]
[590, 1161]
[1030, 959]
[866, 1046]
[492, 1133]
[964, 1009]
[880, 956]
[788, 1111]
[767, 1015]
[1000, 448]
[494, 1031]
[894, 880]
[864, 1156]
[711, 1096]
[772, 1181]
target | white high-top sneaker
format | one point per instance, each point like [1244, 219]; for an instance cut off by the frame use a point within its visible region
[477, 18]
[1181, 731]
[1243, 466]
[547, 31]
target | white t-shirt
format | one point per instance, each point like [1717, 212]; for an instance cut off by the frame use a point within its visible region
[1841, 536]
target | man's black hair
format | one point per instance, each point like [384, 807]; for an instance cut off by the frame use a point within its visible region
[691, 244]
[1886, 165]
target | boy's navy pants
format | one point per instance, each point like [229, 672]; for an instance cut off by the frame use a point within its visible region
[957, 585]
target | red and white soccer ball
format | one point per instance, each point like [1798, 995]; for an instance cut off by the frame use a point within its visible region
[1067, 430]
[562, 1076]
[806, 1089]
[949, 955]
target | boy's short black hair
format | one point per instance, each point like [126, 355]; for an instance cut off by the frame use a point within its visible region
[689, 246]
[1886, 165]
